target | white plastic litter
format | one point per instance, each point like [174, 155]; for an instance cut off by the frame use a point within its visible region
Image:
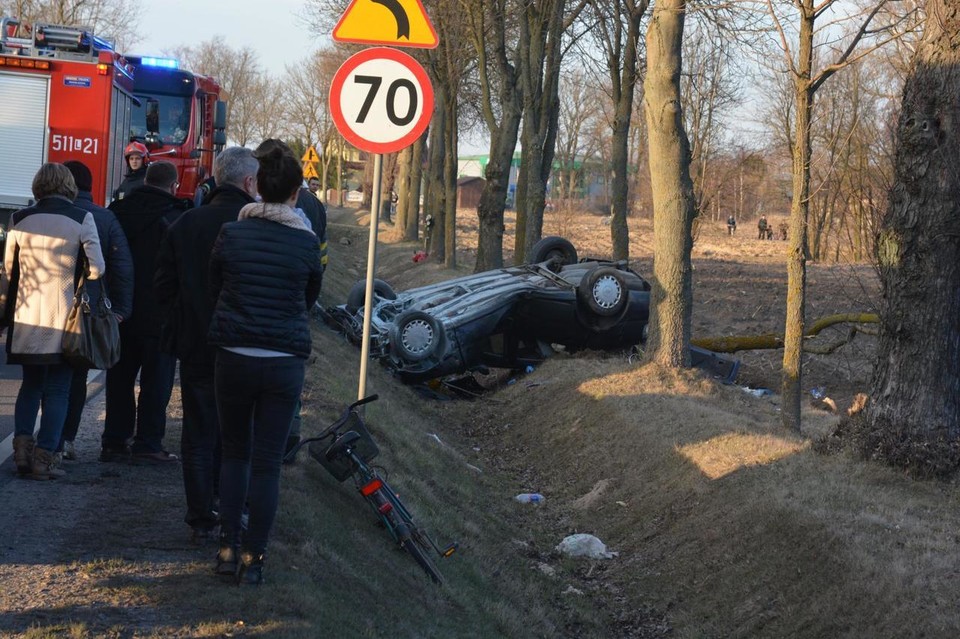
[583, 545]
[435, 438]
[757, 392]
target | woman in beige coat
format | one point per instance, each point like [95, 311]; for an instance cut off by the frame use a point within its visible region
[40, 275]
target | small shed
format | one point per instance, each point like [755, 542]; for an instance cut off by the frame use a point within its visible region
[469, 190]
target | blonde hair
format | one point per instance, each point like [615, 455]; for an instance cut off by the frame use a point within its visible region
[54, 179]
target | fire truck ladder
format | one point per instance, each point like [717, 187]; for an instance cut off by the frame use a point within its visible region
[51, 41]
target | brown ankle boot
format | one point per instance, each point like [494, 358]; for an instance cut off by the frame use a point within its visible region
[44, 465]
[23, 453]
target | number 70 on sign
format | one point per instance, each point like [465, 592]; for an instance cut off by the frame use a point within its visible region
[381, 100]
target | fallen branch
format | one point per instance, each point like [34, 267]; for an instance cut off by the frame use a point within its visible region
[734, 343]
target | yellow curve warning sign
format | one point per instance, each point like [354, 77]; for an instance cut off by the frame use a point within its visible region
[396, 23]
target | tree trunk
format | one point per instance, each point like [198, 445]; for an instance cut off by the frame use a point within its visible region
[410, 229]
[503, 123]
[520, 206]
[790, 380]
[673, 203]
[434, 200]
[403, 186]
[915, 404]
[450, 186]
[340, 173]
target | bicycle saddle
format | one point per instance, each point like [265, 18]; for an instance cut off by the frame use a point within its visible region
[343, 441]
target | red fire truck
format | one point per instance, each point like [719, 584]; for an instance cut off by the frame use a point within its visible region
[67, 95]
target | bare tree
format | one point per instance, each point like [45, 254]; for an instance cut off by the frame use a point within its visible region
[914, 414]
[574, 148]
[241, 79]
[617, 30]
[543, 24]
[708, 88]
[116, 20]
[498, 54]
[800, 60]
[673, 198]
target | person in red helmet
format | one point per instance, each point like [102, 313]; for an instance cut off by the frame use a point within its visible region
[136, 156]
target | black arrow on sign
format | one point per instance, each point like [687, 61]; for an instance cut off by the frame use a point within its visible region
[400, 14]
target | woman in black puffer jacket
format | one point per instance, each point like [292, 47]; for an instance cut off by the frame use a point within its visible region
[265, 273]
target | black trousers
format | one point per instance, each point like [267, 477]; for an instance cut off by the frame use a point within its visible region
[143, 417]
[200, 442]
[256, 399]
[75, 404]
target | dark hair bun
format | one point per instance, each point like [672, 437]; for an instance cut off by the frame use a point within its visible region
[280, 175]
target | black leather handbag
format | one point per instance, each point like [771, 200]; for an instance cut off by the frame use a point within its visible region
[91, 338]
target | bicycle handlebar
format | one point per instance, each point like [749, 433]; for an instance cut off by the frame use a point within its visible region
[333, 428]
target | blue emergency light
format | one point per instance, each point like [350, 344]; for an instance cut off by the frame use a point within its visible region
[164, 63]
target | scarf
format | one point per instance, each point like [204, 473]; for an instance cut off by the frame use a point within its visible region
[279, 213]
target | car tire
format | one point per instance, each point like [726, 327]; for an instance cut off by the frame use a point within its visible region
[603, 292]
[358, 292]
[416, 336]
[553, 247]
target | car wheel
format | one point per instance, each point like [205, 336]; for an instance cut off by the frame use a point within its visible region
[603, 291]
[416, 336]
[355, 298]
[553, 247]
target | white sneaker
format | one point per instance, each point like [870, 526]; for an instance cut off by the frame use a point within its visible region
[69, 452]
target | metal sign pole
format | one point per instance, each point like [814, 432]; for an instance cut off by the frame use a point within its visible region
[371, 270]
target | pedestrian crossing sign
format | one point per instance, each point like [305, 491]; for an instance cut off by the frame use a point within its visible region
[310, 171]
[310, 156]
[395, 23]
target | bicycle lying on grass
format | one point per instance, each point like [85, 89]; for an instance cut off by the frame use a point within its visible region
[348, 455]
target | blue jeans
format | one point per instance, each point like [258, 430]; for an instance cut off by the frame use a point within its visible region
[46, 385]
[256, 400]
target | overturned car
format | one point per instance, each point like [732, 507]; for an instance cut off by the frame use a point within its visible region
[505, 318]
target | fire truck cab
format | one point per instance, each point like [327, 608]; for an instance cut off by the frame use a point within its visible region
[179, 116]
[68, 95]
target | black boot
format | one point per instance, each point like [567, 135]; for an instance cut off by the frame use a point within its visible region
[251, 569]
[228, 558]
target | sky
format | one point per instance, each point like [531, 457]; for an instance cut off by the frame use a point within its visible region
[272, 29]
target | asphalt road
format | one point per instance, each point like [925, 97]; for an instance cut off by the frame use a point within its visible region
[9, 386]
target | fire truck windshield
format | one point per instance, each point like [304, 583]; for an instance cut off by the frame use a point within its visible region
[173, 118]
[167, 93]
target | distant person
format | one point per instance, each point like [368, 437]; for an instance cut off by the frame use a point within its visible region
[117, 282]
[136, 157]
[731, 225]
[784, 230]
[762, 228]
[265, 274]
[41, 269]
[181, 284]
[145, 214]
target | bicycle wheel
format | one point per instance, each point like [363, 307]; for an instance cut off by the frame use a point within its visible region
[409, 541]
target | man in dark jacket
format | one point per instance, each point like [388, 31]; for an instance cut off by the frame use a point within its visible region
[117, 282]
[145, 214]
[186, 308]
